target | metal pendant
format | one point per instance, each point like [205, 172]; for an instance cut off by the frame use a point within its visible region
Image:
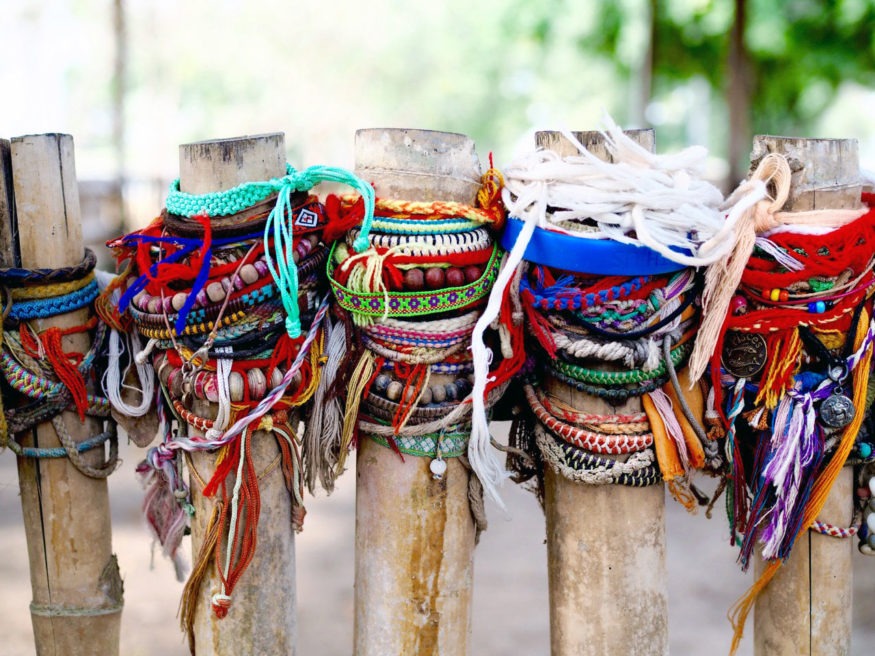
[837, 411]
[438, 468]
[744, 354]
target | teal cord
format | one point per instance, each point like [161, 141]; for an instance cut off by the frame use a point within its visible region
[279, 257]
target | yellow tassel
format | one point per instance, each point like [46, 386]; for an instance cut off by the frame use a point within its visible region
[192, 590]
[822, 486]
[359, 379]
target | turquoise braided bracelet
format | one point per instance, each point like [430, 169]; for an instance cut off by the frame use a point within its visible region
[49, 307]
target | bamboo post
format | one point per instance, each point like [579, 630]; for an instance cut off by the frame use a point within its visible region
[261, 619]
[605, 543]
[806, 608]
[414, 535]
[77, 590]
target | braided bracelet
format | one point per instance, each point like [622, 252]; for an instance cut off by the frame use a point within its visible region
[59, 451]
[614, 444]
[610, 394]
[573, 463]
[19, 277]
[601, 377]
[421, 245]
[49, 307]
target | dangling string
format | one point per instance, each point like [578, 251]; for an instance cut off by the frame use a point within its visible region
[278, 252]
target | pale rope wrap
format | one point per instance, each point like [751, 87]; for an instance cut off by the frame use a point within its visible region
[660, 199]
[752, 213]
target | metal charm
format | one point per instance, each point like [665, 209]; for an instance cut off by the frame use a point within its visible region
[438, 468]
[837, 411]
[744, 354]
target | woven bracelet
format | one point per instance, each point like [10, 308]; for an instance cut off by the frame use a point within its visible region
[415, 304]
[49, 307]
[59, 451]
[19, 277]
[600, 377]
[452, 445]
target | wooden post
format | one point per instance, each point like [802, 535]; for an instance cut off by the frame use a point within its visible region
[261, 619]
[77, 590]
[605, 543]
[806, 609]
[414, 540]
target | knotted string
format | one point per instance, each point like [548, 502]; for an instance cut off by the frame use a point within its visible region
[278, 254]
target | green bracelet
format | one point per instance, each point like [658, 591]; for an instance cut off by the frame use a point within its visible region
[452, 445]
[600, 377]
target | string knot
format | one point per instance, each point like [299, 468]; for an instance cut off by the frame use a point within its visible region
[220, 603]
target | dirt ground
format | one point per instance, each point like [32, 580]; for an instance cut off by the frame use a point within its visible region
[510, 595]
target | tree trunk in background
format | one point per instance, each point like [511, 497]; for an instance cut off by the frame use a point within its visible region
[119, 90]
[738, 98]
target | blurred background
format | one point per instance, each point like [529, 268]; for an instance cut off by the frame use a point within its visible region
[131, 80]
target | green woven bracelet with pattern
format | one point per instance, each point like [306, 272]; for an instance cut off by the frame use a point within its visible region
[600, 377]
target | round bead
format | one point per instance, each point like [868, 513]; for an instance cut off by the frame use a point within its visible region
[775, 295]
[409, 394]
[455, 277]
[739, 304]
[141, 299]
[227, 285]
[257, 383]
[438, 394]
[276, 377]
[381, 383]
[464, 387]
[153, 306]
[452, 392]
[425, 398]
[393, 391]
[238, 283]
[785, 296]
[435, 278]
[178, 301]
[201, 298]
[872, 486]
[414, 280]
[767, 294]
[865, 449]
[313, 238]
[236, 386]
[438, 467]
[821, 307]
[472, 274]
[215, 292]
[211, 389]
[261, 268]
[248, 273]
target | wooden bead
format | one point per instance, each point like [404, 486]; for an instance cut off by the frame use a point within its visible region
[381, 383]
[178, 301]
[435, 278]
[414, 280]
[393, 392]
[472, 274]
[153, 306]
[425, 398]
[215, 292]
[236, 386]
[248, 273]
[455, 277]
[257, 383]
[211, 389]
[409, 394]
[276, 377]
[438, 393]
[141, 299]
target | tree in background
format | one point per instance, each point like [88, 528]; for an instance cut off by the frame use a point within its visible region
[776, 64]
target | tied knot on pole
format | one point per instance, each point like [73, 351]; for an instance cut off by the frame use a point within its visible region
[751, 212]
[220, 603]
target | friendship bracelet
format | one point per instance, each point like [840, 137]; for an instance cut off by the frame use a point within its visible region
[610, 394]
[603, 377]
[49, 307]
[50, 290]
[20, 277]
[445, 445]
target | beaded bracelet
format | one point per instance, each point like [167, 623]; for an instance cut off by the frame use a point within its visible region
[602, 377]
[417, 245]
[49, 307]
[19, 277]
[410, 304]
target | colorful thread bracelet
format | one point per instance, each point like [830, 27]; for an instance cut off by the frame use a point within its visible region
[49, 307]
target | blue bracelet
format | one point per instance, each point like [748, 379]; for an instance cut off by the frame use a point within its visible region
[580, 255]
[49, 307]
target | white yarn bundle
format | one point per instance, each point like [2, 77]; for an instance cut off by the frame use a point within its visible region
[640, 198]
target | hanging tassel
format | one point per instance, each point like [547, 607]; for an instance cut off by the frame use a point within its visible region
[671, 450]
[192, 590]
[822, 486]
[696, 403]
[361, 379]
[322, 438]
[784, 349]
[750, 212]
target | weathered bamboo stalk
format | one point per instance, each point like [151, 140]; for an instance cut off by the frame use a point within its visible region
[605, 543]
[262, 617]
[77, 590]
[414, 535]
[806, 608]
